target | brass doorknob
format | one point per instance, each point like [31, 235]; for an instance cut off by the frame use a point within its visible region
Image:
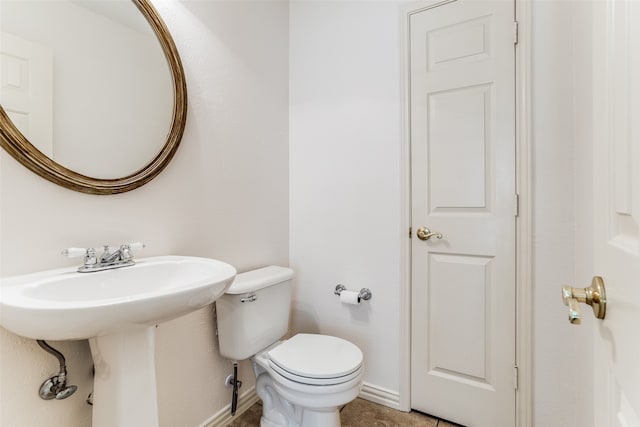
[424, 233]
[594, 295]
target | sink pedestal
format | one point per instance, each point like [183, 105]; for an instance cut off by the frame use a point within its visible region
[124, 389]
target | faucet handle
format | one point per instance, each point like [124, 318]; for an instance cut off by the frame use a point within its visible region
[76, 252]
[128, 248]
[135, 246]
[89, 255]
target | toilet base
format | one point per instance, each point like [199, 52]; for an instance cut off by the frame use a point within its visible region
[279, 412]
[321, 418]
[310, 419]
[289, 403]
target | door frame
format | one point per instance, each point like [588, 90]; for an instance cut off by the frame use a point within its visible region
[524, 292]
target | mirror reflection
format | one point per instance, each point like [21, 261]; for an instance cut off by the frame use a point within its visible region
[86, 82]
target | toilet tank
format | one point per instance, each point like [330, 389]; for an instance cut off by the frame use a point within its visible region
[254, 312]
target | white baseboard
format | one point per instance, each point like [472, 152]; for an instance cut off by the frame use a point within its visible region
[381, 396]
[223, 416]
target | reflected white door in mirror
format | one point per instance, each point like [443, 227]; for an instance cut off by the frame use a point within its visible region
[26, 92]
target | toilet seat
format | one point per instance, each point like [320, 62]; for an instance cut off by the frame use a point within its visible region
[316, 359]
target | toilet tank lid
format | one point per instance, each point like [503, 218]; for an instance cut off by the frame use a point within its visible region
[254, 280]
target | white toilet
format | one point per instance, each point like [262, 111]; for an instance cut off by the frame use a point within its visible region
[302, 381]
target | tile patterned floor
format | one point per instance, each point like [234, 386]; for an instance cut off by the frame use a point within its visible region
[359, 413]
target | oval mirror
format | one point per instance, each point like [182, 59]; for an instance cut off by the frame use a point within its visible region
[92, 92]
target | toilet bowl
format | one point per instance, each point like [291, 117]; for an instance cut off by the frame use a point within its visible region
[302, 381]
[308, 378]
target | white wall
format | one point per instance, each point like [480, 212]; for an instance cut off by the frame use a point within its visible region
[345, 176]
[225, 195]
[561, 87]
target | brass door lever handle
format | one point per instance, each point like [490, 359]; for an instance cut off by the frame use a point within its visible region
[594, 295]
[424, 233]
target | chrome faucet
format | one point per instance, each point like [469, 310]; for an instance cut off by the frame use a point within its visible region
[121, 257]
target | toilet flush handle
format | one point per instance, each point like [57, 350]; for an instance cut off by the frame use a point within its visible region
[249, 298]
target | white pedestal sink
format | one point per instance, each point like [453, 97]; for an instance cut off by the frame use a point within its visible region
[117, 310]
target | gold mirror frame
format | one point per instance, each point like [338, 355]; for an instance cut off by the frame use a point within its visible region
[12, 140]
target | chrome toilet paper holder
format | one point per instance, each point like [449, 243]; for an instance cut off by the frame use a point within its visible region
[364, 294]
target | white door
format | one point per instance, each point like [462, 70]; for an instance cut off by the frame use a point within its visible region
[617, 211]
[462, 113]
[26, 89]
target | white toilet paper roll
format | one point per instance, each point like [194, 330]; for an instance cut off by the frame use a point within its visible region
[349, 297]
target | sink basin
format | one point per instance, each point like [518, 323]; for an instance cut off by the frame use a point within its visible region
[117, 310]
[63, 304]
